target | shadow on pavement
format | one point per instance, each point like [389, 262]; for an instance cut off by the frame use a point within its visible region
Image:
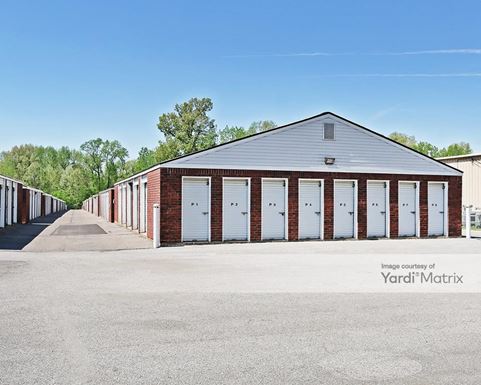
[18, 236]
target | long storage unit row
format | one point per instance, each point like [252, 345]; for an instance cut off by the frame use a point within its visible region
[21, 204]
[101, 204]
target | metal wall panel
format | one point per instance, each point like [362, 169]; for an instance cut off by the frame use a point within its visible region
[195, 209]
[376, 209]
[436, 209]
[344, 209]
[236, 209]
[274, 213]
[310, 209]
[407, 209]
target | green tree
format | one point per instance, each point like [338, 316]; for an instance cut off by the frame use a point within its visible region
[461, 148]
[188, 128]
[93, 158]
[105, 160]
[145, 159]
[230, 133]
[427, 148]
[261, 125]
[407, 140]
[75, 185]
[114, 157]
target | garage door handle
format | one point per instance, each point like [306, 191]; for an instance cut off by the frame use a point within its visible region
[244, 212]
[282, 212]
[205, 212]
[383, 212]
[441, 212]
[318, 212]
[413, 212]
[351, 212]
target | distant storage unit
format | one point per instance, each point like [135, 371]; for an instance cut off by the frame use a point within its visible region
[101, 204]
[323, 177]
[21, 204]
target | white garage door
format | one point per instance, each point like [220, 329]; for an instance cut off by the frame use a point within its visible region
[195, 209]
[376, 209]
[236, 209]
[407, 209]
[310, 209]
[273, 209]
[344, 209]
[436, 207]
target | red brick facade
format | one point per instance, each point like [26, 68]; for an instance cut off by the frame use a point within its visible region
[23, 204]
[170, 199]
[153, 197]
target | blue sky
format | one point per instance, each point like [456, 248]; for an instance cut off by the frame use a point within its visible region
[72, 71]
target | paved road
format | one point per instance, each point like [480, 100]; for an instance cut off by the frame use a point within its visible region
[18, 236]
[78, 230]
[233, 314]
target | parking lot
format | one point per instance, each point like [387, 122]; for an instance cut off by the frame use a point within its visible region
[303, 312]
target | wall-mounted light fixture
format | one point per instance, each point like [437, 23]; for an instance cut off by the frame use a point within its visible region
[329, 160]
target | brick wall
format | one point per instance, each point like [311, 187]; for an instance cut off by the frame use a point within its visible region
[171, 200]
[154, 188]
[22, 206]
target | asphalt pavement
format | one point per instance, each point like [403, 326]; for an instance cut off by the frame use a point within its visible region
[266, 313]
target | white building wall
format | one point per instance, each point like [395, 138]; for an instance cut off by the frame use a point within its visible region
[301, 146]
[471, 166]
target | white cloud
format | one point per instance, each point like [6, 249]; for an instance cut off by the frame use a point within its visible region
[450, 51]
[410, 75]
[463, 51]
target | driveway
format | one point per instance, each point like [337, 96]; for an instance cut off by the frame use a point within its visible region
[271, 313]
[78, 230]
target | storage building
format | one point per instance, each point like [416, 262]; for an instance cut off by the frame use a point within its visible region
[323, 177]
[21, 204]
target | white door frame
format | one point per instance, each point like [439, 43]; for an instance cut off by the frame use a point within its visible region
[445, 208]
[418, 214]
[286, 205]
[248, 179]
[356, 236]
[388, 206]
[209, 219]
[321, 235]
[135, 205]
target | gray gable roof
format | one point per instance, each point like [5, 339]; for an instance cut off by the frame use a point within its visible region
[300, 146]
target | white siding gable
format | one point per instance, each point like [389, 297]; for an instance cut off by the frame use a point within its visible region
[301, 147]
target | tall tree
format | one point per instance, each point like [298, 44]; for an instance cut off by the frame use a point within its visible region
[230, 133]
[92, 151]
[407, 140]
[461, 148]
[189, 128]
[114, 157]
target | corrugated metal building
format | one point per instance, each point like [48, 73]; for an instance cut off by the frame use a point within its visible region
[323, 177]
[470, 165]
